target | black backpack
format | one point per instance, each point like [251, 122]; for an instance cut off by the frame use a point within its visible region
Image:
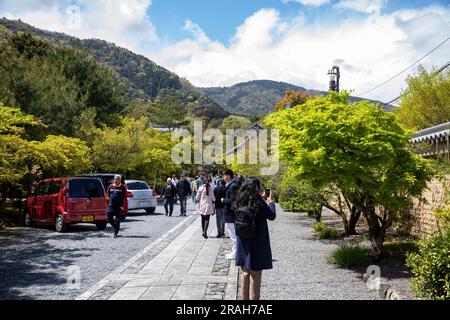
[245, 223]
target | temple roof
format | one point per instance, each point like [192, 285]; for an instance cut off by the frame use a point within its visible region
[437, 132]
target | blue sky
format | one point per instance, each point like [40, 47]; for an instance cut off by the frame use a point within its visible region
[220, 43]
[221, 18]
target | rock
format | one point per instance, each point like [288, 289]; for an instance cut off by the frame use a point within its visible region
[382, 290]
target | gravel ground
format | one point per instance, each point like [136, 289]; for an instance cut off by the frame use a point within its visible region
[300, 268]
[34, 262]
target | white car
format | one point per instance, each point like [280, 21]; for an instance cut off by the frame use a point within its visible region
[143, 196]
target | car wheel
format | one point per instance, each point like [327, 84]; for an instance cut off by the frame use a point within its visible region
[150, 210]
[123, 217]
[101, 225]
[27, 218]
[60, 226]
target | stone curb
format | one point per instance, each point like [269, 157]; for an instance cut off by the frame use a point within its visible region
[384, 290]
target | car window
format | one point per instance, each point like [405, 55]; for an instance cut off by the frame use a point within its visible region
[54, 187]
[137, 186]
[86, 188]
[42, 188]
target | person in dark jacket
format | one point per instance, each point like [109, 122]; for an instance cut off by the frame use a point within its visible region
[168, 193]
[117, 195]
[254, 255]
[220, 192]
[232, 187]
[184, 191]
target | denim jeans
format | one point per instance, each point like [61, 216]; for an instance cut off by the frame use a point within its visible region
[220, 221]
[183, 204]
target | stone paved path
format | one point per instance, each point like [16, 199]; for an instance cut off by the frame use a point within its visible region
[182, 265]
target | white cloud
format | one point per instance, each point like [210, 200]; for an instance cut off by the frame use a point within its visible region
[365, 6]
[124, 23]
[369, 51]
[313, 3]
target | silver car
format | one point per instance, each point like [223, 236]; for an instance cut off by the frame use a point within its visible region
[143, 196]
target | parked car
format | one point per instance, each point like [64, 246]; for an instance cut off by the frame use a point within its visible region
[143, 196]
[107, 180]
[65, 201]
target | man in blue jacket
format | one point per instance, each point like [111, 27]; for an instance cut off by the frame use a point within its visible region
[232, 188]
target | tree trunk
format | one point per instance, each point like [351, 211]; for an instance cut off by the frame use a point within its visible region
[377, 230]
[318, 215]
[4, 191]
[355, 214]
[341, 214]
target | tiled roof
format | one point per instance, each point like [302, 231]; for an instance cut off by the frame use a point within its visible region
[433, 133]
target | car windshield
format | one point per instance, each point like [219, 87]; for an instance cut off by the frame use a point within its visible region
[86, 188]
[137, 186]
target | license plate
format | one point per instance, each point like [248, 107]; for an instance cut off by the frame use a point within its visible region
[87, 219]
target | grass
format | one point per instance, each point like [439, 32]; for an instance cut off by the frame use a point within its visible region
[329, 233]
[348, 256]
[319, 226]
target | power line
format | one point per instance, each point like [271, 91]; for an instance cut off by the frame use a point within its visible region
[445, 66]
[406, 69]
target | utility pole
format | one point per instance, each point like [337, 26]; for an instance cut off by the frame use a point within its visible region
[335, 77]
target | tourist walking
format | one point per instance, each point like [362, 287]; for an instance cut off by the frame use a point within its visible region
[232, 188]
[117, 195]
[183, 191]
[220, 192]
[253, 243]
[205, 207]
[194, 190]
[168, 193]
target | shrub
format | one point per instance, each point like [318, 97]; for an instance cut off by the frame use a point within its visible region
[329, 233]
[319, 226]
[348, 256]
[443, 214]
[431, 266]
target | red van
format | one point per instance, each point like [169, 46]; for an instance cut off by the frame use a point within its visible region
[65, 201]
[107, 180]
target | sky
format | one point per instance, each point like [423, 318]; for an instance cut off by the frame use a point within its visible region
[224, 42]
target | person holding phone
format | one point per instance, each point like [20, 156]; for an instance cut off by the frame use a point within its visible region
[254, 254]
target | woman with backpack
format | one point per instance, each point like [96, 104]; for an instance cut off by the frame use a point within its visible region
[205, 206]
[253, 243]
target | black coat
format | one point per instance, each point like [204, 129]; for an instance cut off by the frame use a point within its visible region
[230, 197]
[220, 192]
[169, 191]
[183, 189]
[256, 254]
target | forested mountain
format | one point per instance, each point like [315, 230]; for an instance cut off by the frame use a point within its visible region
[140, 78]
[257, 97]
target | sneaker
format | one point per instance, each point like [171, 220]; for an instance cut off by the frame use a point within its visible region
[205, 236]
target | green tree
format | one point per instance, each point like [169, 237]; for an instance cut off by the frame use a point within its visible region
[235, 123]
[426, 101]
[169, 112]
[23, 161]
[56, 84]
[133, 149]
[358, 148]
[301, 196]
